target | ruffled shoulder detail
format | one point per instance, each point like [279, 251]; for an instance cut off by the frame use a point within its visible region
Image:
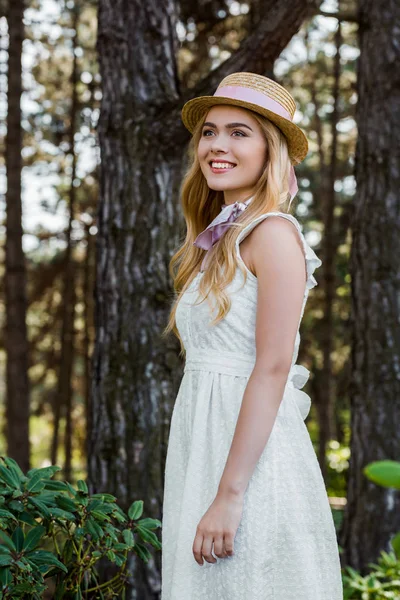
[312, 260]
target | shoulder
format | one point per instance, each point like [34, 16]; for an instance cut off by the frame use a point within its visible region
[276, 231]
[275, 241]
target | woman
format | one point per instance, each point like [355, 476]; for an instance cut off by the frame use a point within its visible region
[246, 515]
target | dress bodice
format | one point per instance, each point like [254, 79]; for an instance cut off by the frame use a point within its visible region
[236, 332]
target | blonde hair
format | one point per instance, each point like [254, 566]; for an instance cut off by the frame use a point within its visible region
[201, 205]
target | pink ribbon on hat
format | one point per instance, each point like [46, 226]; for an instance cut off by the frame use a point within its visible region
[238, 92]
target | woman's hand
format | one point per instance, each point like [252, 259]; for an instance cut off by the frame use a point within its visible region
[218, 526]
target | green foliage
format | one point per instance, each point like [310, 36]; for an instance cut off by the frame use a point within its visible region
[50, 530]
[382, 583]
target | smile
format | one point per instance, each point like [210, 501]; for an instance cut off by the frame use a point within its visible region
[221, 167]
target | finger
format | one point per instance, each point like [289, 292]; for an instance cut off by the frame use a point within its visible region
[228, 545]
[206, 550]
[197, 544]
[219, 549]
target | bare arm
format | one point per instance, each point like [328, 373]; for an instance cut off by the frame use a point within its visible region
[278, 260]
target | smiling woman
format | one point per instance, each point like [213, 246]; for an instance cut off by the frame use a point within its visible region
[245, 512]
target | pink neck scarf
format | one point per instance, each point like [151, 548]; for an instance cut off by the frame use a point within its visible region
[229, 213]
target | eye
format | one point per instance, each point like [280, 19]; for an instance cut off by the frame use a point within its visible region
[235, 131]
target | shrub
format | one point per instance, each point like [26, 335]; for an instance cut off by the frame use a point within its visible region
[51, 531]
[383, 583]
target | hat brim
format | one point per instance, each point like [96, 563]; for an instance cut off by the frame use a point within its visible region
[297, 142]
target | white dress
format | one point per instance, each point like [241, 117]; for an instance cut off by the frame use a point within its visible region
[285, 547]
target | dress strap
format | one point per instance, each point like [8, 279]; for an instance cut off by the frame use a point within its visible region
[312, 260]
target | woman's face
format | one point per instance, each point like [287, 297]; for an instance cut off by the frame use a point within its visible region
[232, 152]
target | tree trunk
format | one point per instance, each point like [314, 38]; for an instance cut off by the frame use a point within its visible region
[326, 417]
[16, 343]
[136, 374]
[65, 393]
[375, 267]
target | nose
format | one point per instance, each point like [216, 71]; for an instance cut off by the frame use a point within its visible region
[218, 145]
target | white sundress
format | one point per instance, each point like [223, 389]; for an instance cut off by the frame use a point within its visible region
[285, 547]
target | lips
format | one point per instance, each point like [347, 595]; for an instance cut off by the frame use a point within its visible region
[221, 161]
[217, 171]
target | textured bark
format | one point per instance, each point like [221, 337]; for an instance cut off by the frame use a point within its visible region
[327, 169]
[16, 343]
[375, 269]
[87, 317]
[136, 374]
[63, 400]
[326, 412]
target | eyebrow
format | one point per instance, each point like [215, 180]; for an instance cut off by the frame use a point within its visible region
[228, 126]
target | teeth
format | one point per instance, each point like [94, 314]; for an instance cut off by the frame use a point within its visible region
[216, 165]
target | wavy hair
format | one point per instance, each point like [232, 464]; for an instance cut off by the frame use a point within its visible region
[201, 205]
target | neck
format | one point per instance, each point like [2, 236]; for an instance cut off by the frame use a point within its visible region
[232, 196]
[246, 200]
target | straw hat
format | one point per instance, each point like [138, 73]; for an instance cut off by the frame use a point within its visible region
[260, 94]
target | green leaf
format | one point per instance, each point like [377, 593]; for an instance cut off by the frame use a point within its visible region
[119, 514]
[100, 516]
[33, 538]
[18, 538]
[94, 504]
[10, 477]
[142, 552]
[128, 537]
[149, 523]
[5, 514]
[40, 506]
[66, 503]
[27, 518]
[82, 487]
[16, 505]
[79, 533]
[119, 560]
[91, 529]
[7, 541]
[50, 470]
[37, 486]
[149, 536]
[59, 513]
[71, 489]
[39, 475]
[42, 557]
[105, 497]
[5, 560]
[121, 547]
[60, 591]
[10, 462]
[384, 472]
[68, 552]
[5, 576]
[136, 510]
[55, 486]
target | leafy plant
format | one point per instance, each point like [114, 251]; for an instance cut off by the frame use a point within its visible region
[51, 531]
[383, 583]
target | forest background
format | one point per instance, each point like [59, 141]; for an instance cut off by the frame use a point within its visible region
[47, 417]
